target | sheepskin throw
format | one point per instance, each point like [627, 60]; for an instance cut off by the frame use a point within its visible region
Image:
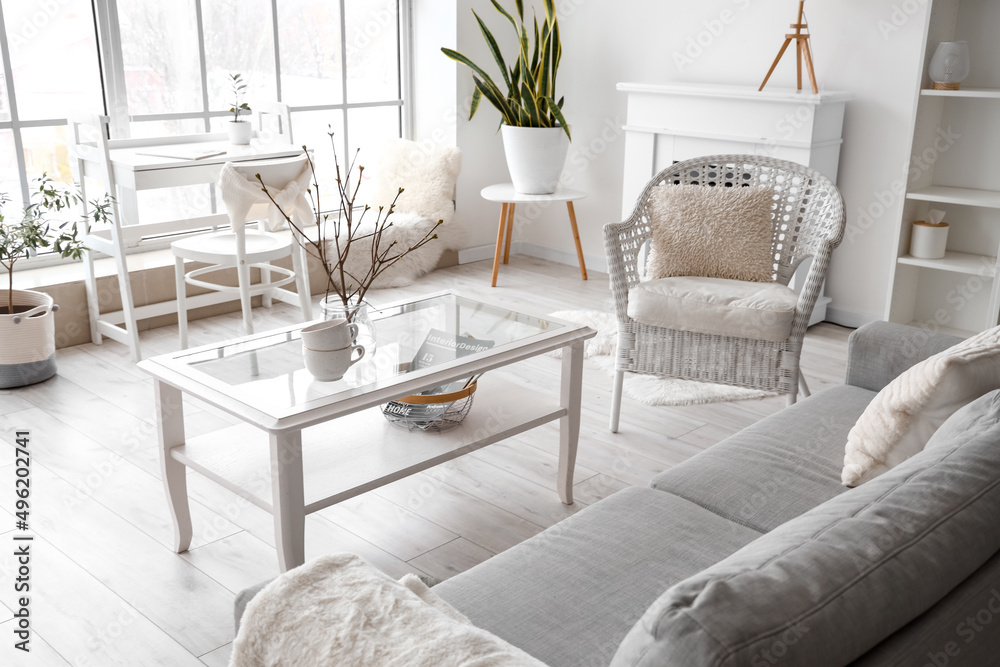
[337, 611]
[903, 416]
[428, 175]
[243, 196]
[712, 232]
[406, 230]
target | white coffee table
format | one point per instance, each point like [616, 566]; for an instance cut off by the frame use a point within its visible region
[505, 194]
[304, 445]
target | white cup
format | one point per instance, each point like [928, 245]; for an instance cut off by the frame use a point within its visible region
[329, 335]
[330, 365]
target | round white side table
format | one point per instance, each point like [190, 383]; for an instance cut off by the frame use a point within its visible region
[506, 195]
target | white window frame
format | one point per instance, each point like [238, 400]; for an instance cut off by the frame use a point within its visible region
[114, 72]
[108, 32]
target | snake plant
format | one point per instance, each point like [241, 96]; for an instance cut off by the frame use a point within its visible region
[530, 81]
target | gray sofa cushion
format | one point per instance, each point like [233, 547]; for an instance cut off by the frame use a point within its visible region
[962, 630]
[979, 416]
[878, 352]
[809, 592]
[570, 594]
[776, 469]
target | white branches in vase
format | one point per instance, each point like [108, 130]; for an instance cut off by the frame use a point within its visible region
[347, 277]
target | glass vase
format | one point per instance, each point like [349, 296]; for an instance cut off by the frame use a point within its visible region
[333, 308]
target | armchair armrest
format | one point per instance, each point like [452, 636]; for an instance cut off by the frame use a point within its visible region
[878, 352]
[622, 241]
[811, 289]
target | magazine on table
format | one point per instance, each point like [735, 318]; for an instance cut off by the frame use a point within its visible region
[439, 347]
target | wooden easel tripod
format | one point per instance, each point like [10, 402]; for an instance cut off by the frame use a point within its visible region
[802, 50]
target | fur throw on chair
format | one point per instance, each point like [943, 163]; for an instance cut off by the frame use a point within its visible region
[428, 176]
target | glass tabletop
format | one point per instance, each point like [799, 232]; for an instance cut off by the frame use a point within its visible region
[267, 371]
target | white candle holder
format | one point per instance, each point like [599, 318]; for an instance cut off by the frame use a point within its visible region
[929, 240]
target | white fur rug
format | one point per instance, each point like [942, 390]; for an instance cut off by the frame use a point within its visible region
[338, 611]
[648, 389]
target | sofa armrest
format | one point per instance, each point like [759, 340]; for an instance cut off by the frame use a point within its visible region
[880, 351]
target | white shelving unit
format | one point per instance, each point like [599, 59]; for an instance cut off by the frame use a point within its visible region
[956, 135]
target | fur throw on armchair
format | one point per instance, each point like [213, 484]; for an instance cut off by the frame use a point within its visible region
[427, 176]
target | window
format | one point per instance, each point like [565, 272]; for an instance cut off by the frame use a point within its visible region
[337, 64]
[166, 68]
[40, 84]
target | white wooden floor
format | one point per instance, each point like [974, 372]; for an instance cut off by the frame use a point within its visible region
[108, 590]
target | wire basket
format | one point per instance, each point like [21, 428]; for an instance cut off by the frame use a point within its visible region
[434, 412]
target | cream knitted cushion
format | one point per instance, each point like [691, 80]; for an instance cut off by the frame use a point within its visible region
[712, 232]
[905, 414]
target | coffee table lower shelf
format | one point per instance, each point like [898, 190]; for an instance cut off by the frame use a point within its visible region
[361, 452]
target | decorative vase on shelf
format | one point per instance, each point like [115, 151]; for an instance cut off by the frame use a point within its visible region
[950, 65]
[333, 308]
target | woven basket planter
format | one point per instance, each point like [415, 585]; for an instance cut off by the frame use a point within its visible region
[27, 340]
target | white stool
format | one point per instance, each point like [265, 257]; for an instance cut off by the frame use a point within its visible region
[509, 197]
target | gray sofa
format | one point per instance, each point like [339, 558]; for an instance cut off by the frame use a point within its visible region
[753, 553]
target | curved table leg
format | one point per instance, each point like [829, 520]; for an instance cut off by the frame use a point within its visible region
[288, 499]
[569, 426]
[170, 429]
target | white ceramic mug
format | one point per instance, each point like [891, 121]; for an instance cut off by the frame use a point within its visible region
[330, 365]
[329, 335]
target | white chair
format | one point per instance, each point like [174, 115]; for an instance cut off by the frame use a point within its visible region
[245, 249]
[808, 223]
[273, 117]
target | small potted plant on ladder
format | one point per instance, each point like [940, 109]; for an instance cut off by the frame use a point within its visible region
[240, 131]
[27, 323]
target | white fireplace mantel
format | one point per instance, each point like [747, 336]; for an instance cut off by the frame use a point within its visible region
[666, 123]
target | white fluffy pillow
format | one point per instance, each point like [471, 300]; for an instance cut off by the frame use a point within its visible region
[903, 416]
[427, 175]
[712, 232]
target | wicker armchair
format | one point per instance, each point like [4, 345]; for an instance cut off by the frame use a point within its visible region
[808, 222]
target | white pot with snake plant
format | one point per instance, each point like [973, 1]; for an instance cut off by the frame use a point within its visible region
[535, 133]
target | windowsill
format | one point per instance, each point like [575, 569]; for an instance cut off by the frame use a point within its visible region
[73, 272]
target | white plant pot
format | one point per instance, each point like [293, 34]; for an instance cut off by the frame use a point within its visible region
[27, 340]
[535, 157]
[239, 132]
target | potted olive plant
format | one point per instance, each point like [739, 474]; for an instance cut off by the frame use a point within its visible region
[27, 323]
[535, 133]
[240, 131]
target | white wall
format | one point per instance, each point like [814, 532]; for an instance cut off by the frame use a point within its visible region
[868, 47]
